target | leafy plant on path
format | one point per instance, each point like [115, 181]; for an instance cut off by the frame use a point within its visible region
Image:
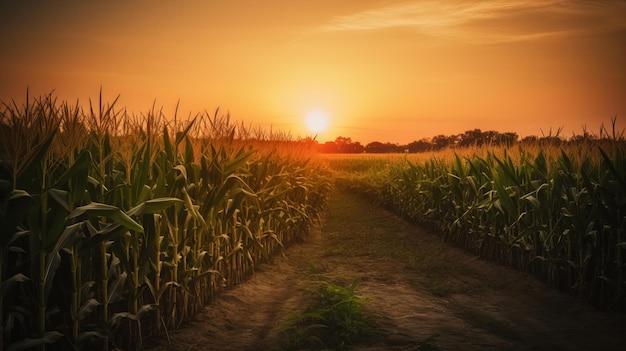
[335, 319]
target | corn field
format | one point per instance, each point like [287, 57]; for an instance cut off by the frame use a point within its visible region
[115, 228]
[557, 212]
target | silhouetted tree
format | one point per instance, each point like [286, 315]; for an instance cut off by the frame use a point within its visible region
[355, 148]
[342, 145]
[394, 147]
[329, 147]
[471, 138]
[421, 145]
[474, 137]
[375, 147]
[441, 141]
[477, 137]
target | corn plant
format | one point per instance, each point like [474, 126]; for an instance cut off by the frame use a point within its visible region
[116, 227]
[556, 212]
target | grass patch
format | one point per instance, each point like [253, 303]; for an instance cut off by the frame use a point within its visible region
[439, 288]
[372, 233]
[335, 319]
[377, 233]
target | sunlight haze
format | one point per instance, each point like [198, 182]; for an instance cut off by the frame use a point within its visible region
[389, 71]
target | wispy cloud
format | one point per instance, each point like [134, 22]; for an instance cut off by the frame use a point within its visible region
[489, 21]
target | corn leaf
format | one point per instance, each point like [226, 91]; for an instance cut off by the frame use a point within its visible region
[29, 343]
[96, 209]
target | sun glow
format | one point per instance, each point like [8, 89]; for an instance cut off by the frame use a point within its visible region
[317, 121]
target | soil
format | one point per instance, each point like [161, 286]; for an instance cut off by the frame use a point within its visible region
[428, 295]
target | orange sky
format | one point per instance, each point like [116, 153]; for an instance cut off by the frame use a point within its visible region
[387, 70]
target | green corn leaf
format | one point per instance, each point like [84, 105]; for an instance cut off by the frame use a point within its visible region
[53, 258]
[28, 343]
[193, 210]
[620, 179]
[10, 284]
[167, 144]
[76, 174]
[532, 200]
[140, 170]
[118, 317]
[165, 286]
[238, 161]
[97, 209]
[189, 154]
[60, 197]
[183, 171]
[16, 236]
[116, 288]
[144, 195]
[181, 136]
[110, 232]
[154, 206]
[87, 308]
[203, 275]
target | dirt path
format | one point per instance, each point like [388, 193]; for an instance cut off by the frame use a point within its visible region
[430, 296]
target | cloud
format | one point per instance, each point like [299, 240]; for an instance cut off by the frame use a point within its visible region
[489, 21]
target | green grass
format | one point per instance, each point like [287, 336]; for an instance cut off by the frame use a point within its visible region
[335, 319]
[438, 287]
[375, 235]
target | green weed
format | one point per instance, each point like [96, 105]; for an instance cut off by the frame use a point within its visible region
[335, 319]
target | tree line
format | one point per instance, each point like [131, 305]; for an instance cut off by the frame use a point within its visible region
[470, 138]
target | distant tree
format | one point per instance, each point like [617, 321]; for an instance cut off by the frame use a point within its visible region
[471, 138]
[329, 147]
[490, 137]
[343, 140]
[477, 137]
[375, 147]
[392, 148]
[357, 148]
[343, 145]
[421, 145]
[441, 141]
[474, 137]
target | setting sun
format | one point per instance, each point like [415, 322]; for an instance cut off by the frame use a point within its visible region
[316, 121]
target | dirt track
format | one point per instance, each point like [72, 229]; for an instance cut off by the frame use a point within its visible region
[430, 296]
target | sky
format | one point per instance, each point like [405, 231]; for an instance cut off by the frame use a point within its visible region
[380, 70]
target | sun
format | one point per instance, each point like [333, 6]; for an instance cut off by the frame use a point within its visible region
[317, 121]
